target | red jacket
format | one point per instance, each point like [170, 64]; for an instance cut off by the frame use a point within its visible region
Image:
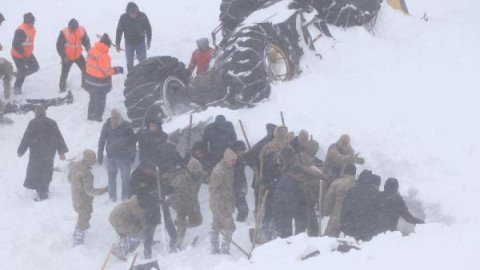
[200, 60]
[98, 62]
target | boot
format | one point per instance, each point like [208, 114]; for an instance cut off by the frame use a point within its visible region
[214, 241]
[225, 247]
[78, 237]
[132, 243]
[120, 250]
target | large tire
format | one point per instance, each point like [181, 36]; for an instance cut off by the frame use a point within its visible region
[347, 13]
[245, 60]
[144, 87]
[233, 12]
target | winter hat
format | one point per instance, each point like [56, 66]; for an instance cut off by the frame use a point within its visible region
[28, 18]
[89, 157]
[270, 128]
[344, 140]
[220, 119]
[365, 177]
[239, 146]
[350, 169]
[229, 155]
[391, 185]
[40, 111]
[73, 24]
[281, 132]
[1, 18]
[106, 40]
[303, 137]
[132, 7]
[203, 43]
[155, 120]
[376, 180]
[312, 147]
[194, 166]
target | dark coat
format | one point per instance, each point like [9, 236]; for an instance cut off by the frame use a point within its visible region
[18, 38]
[147, 197]
[148, 141]
[44, 139]
[289, 204]
[252, 156]
[135, 29]
[359, 211]
[391, 207]
[167, 158]
[120, 142]
[218, 136]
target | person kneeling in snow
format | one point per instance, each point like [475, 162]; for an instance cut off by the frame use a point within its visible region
[81, 178]
[128, 220]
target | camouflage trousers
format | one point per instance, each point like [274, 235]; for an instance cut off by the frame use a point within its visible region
[223, 221]
[83, 220]
[6, 74]
[186, 220]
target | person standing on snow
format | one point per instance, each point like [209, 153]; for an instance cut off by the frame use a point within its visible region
[333, 201]
[201, 57]
[44, 139]
[69, 47]
[218, 136]
[187, 184]
[83, 191]
[222, 202]
[240, 185]
[98, 77]
[119, 138]
[391, 207]
[136, 27]
[6, 70]
[150, 138]
[22, 51]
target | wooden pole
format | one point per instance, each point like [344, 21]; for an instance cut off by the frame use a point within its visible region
[108, 257]
[244, 134]
[133, 262]
[249, 255]
[320, 206]
[189, 135]
[283, 119]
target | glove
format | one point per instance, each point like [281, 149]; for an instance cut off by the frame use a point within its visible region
[118, 70]
[61, 156]
[100, 158]
[117, 47]
[359, 160]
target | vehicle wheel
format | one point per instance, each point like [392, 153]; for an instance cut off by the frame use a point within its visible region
[257, 56]
[151, 87]
[347, 13]
[233, 12]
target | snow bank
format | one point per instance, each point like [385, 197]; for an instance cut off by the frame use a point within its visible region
[407, 95]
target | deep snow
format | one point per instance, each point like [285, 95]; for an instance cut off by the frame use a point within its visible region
[407, 94]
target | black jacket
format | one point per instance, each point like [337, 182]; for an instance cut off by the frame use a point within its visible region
[359, 211]
[134, 29]
[252, 156]
[61, 44]
[18, 38]
[218, 136]
[44, 139]
[391, 207]
[120, 142]
[148, 141]
[167, 158]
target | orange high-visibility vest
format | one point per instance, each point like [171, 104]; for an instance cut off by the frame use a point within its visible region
[98, 62]
[73, 42]
[28, 43]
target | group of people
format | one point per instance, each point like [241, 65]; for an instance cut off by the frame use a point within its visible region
[96, 69]
[292, 187]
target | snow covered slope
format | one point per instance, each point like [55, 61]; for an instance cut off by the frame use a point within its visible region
[407, 94]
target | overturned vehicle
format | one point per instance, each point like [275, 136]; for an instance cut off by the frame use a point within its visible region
[257, 43]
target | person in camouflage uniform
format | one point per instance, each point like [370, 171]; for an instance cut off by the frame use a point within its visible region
[339, 155]
[333, 201]
[187, 184]
[222, 202]
[240, 185]
[83, 191]
[6, 69]
[128, 219]
[312, 175]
